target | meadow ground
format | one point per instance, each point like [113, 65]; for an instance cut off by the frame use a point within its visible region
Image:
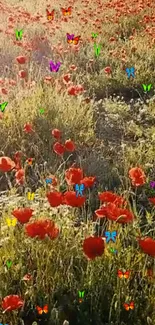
[59, 246]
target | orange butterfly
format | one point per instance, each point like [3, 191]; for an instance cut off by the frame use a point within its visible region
[76, 40]
[50, 15]
[129, 306]
[42, 310]
[121, 274]
[66, 12]
[72, 39]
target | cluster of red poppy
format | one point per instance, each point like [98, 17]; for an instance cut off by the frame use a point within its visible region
[41, 229]
[59, 148]
[111, 210]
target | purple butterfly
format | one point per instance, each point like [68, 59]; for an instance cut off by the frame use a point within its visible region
[152, 184]
[70, 37]
[54, 67]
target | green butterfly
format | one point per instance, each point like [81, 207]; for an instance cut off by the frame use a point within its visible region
[94, 35]
[19, 34]
[3, 105]
[147, 87]
[97, 49]
[81, 294]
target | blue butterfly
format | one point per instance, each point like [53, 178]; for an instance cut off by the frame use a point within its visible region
[110, 236]
[79, 189]
[3, 324]
[130, 71]
[47, 180]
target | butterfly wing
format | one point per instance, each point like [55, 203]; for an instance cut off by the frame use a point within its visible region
[52, 66]
[107, 235]
[76, 187]
[82, 187]
[126, 274]
[144, 87]
[70, 38]
[132, 69]
[131, 306]
[16, 31]
[149, 87]
[57, 66]
[20, 34]
[14, 221]
[39, 310]
[126, 306]
[120, 274]
[8, 220]
[45, 309]
[76, 40]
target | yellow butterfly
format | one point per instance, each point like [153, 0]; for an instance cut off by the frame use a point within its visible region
[11, 222]
[30, 196]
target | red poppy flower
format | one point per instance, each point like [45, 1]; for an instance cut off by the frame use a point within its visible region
[107, 70]
[112, 212]
[20, 176]
[152, 200]
[73, 176]
[56, 133]
[147, 245]
[54, 198]
[23, 215]
[69, 145]
[12, 302]
[137, 176]
[22, 74]
[66, 78]
[27, 277]
[93, 247]
[51, 230]
[6, 164]
[28, 128]
[88, 181]
[58, 148]
[71, 199]
[72, 91]
[41, 228]
[17, 160]
[110, 197]
[21, 59]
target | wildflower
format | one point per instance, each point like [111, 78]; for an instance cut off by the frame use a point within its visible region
[93, 247]
[41, 228]
[21, 59]
[69, 145]
[56, 133]
[20, 176]
[107, 70]
[72, 200]
[88, 181]
[147, 245]
[137, 176]
[58, 148]
[22, 74]
[12, 302]
[112, 197]
[112, 212]
[66, 78]
[23, 215]
[152, 200]
[28, 128]
[54, 198]
[4, 91]
[6, 164]
[73, 176]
